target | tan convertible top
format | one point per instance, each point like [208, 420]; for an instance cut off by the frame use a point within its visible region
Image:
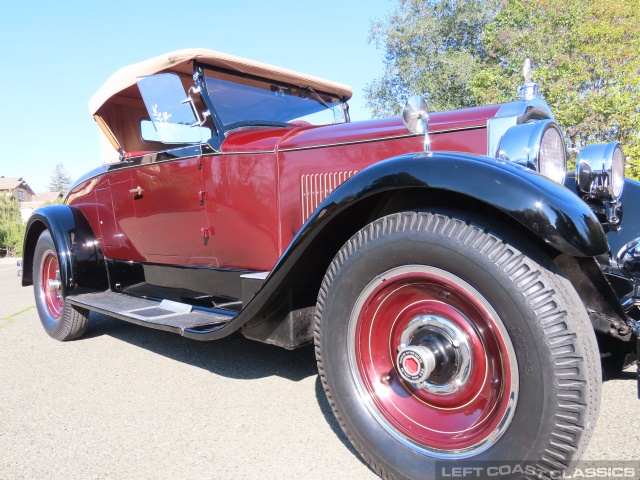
[179, 61]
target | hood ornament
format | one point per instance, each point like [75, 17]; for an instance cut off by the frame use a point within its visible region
[529, 89]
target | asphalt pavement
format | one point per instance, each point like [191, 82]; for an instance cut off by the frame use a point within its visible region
[126, 402]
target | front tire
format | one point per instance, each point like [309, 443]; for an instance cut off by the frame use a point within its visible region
[60, 319]
[500, 343]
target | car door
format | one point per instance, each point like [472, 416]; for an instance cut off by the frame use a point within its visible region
[170, 210]
[167, 186]
[242, 206]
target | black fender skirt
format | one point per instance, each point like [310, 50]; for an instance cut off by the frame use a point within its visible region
[82, 265]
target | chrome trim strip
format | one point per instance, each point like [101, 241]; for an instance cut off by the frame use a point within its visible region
[211, 154]
[256, 275]
[339, 144]
[251, 152]
[459, 129]
[377, 139]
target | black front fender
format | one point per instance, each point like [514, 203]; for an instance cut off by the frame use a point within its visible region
[82, 265]
[548, 210]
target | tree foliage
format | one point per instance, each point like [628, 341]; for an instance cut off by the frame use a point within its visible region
[584, 55]
[60, 180]
[457, 54]
[57, 201]
[433, 48]
[11, 226]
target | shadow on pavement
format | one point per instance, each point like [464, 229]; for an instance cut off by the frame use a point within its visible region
[623, 375]
[326, 410]
[232, 357]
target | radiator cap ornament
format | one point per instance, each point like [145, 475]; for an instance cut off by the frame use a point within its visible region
[529, 89]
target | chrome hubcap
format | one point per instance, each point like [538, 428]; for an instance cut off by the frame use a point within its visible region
[415, 363]
[54, 284]
[434, 355]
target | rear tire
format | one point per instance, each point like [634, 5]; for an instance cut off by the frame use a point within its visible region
[60, 319]
[525, 326]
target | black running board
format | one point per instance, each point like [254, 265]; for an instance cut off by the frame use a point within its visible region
[153, 313]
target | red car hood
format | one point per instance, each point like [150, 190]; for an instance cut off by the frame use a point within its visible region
[295, 137]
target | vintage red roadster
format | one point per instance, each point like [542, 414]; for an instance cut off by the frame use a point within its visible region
[461, 289]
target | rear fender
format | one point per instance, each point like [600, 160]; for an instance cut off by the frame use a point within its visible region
[82, 265]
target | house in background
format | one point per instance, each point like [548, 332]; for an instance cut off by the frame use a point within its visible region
[38, 200]
[17, 188]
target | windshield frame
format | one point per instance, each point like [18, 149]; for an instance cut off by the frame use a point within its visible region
[222, 128]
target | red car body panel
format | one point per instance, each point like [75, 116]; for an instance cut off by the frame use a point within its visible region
[172, 219]
[314, 137]
[116, 230]
[241, 208]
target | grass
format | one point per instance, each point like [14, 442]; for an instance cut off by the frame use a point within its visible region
[8, 320]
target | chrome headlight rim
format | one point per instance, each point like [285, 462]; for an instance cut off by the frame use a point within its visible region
[600, 171]
[561, 169]
[522, 144]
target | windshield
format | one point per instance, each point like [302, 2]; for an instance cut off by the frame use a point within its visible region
[242, 100]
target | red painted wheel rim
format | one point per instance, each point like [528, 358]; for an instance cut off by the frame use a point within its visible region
[51, 273]
[461, 423]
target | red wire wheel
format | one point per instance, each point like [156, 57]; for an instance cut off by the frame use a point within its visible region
[468, 400]
[50, 271]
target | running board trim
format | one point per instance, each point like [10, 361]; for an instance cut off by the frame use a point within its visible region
[158, 314]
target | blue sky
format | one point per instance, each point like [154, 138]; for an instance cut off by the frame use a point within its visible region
[55, 55]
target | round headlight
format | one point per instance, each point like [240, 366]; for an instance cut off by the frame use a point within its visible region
[538, 146]
[553, 155]
[617, 172]
[600, 171]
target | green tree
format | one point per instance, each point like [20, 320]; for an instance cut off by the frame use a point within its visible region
[585, 57]
[459, 54]
[57, 201]
[60, 180]
[433, 48]
[11, 226]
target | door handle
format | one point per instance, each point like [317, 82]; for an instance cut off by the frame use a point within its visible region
[137, 191]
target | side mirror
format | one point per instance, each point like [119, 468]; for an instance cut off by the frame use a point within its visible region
[415, 116]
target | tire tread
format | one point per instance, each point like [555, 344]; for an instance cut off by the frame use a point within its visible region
[574, 422]
[73, 320]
